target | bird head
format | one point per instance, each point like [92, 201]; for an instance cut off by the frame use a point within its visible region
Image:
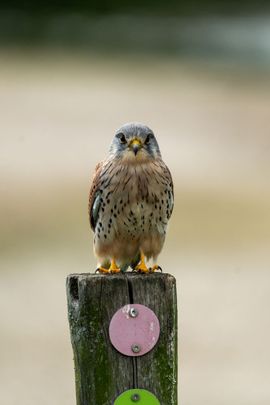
[135, 142]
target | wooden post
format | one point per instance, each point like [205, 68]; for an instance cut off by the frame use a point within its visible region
[101, 372]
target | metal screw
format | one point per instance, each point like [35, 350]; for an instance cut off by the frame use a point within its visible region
[135, 398]
[136, 348]
[133, 312]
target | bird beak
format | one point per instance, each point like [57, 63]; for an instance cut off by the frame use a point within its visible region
[136, 145]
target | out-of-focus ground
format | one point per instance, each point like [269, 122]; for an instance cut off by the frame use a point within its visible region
[58, 116]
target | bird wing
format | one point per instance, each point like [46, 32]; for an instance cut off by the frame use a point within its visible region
[95, 197]
[171, 189]
[172, 192]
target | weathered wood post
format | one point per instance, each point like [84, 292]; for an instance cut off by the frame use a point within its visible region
[101, 372]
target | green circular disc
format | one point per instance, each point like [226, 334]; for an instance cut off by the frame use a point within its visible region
[140, 397]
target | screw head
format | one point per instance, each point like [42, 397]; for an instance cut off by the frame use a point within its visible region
[136, 348]
[135, 398]
[133, 312]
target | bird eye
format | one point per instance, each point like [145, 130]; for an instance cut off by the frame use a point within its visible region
[147, 140]
[122, 138]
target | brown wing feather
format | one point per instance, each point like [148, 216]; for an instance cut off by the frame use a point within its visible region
[172, 188]
[168, 176]
[93, 192]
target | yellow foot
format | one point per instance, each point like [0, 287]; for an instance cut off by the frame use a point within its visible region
[102, 270]
[113, 269]
[155, 268]
[141, 267]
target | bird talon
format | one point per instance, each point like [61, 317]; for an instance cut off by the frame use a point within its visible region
[115, 271]
[102, 270]
[141, 267]
[141, 270]
[112, 270]
[156, 267]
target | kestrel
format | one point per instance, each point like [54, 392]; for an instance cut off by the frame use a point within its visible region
[130, 202]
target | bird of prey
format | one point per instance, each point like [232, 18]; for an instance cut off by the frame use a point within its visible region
[130, 202]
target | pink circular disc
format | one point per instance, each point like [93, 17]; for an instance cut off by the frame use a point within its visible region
[134, 330]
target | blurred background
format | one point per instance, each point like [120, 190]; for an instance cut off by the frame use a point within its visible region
[198, 73]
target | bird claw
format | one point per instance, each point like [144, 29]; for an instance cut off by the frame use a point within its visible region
[102, 270]
[142, 268]
[112, 270]
[155, 268]
[142, 271]
[115, 271]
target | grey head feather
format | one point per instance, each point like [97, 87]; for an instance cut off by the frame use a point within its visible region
[133, 130]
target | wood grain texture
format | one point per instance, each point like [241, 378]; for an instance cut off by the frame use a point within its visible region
[101, 373]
